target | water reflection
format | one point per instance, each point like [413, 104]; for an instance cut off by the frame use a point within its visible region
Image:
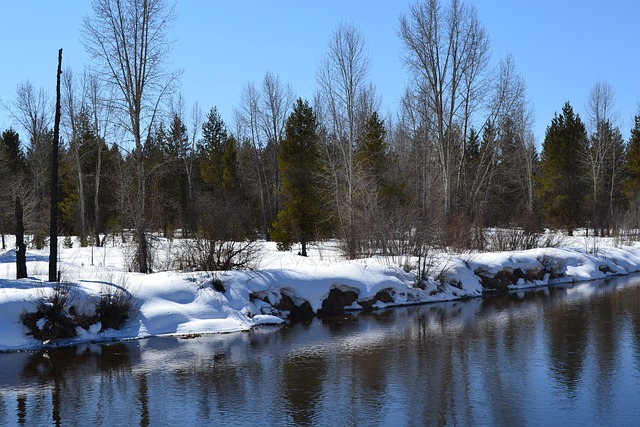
[565, 355]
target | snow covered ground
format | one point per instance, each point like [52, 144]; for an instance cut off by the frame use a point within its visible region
[181, 303]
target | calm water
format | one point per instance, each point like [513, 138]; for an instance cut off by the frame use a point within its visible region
[561, 356]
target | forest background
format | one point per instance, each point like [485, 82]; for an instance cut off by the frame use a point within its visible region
[457, 160]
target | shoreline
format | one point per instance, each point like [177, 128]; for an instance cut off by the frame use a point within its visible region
[187, 304]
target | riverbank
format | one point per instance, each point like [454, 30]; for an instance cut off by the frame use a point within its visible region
[284, 286]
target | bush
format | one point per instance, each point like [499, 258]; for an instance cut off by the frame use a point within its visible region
[217, 255]
[57, 315]
[52, 318]
[114, 308]
[67, 243]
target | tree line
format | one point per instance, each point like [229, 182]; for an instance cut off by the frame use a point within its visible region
[457, 159]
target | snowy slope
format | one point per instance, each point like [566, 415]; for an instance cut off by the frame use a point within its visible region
[172, 303]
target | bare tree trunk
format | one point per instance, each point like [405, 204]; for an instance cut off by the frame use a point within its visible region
[96, 193]
[342, 82]
[75, 137]
[81, 202]
[53, 225]
[128, 37]
[21, 253]
[278, 100]
[445, 49]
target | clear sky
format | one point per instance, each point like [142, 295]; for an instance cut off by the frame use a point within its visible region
[560, 47]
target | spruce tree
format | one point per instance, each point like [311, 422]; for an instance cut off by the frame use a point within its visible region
[211, 150]
[12, 153]
[563, 180]
[299, 161]
[371, 154]
[631, 183]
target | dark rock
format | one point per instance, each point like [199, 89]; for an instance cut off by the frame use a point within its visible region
[498, 282]
[296, 312]
[605, 269]
[336, 301]
[381, 296]
[534, 274]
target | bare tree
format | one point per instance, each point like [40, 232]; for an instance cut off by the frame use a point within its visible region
[277, 100]
[190, 163]
[128, 38]
[33, 111]
[446, 50]
[342, 82]
[72, 105]
[604, 156]
[101, 109]
[249, 122]
[508, 107]
[86, 114]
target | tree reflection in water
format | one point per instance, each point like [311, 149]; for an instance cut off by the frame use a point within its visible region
[563, 353]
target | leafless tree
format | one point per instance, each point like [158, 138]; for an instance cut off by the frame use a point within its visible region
[128, 39]
[342, 84]
[249, 121]
[190, 164]
[72, 104]
[446, 51]
[277, 100]
[507, 104]
[101, 108]
[604, 154]
[33, 110]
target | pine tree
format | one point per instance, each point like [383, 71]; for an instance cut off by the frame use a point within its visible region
[211, 149]
[299, 161]
[563, 183]
[372, 150]
[10, 143]
[13, 166]
[631, 183]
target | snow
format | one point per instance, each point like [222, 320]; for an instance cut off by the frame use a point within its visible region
[184, 303]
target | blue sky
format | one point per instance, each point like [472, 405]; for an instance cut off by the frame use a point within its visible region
[561, 48]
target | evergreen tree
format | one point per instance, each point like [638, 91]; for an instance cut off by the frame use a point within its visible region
[230, 180]
[211, 149]
[631, 183]
[371, 154]
[12, 152]
[13, 168]
[223, 211]
[507, 202]
[299, 160]
[563, 183]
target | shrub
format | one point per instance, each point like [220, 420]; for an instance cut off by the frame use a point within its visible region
[52, 318]
[114, 308]
[217, 255]
[67, 243]
[215, 283]
[57, 315]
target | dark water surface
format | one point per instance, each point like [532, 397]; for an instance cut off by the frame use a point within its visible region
[557, 356]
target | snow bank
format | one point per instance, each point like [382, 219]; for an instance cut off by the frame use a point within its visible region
[188, 303]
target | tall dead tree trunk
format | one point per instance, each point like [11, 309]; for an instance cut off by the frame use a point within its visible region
[53, 225]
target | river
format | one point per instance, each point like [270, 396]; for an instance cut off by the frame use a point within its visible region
[565, 355]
